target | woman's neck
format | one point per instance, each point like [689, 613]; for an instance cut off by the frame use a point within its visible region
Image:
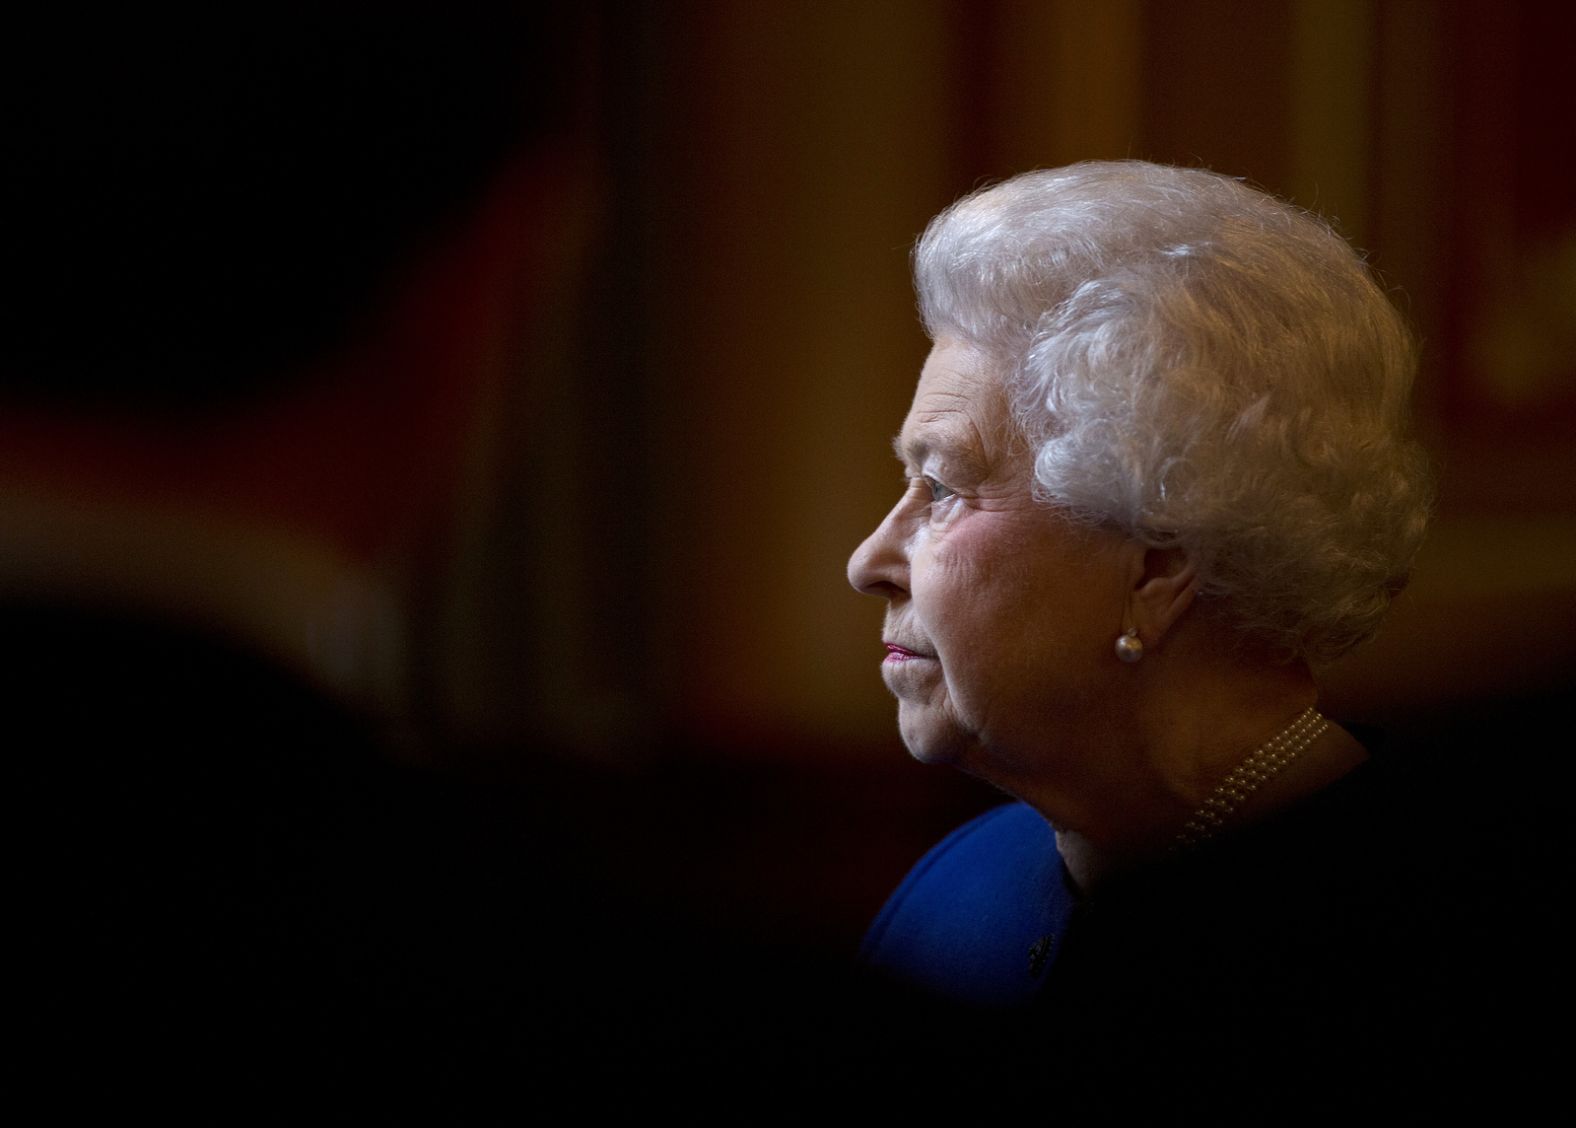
[1092, 857]
[1198, 708]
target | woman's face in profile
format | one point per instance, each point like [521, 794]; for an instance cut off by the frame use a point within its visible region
[1001, 613]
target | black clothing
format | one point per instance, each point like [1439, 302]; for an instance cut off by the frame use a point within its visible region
[1383, 948]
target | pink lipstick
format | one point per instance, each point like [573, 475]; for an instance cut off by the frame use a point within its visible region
[896, 653]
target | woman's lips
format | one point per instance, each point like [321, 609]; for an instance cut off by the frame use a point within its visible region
[896, 653]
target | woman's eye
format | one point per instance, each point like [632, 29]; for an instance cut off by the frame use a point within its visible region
[938, 491]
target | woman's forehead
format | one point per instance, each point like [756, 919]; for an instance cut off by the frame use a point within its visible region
[959, 408]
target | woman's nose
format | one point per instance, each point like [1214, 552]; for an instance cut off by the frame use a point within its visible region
[879, 566]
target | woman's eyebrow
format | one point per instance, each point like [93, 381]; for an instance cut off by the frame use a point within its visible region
[954, 447]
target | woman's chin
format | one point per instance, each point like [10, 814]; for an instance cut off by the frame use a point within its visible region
[929, 740]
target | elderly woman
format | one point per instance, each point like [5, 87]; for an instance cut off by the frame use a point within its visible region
[1158, 474]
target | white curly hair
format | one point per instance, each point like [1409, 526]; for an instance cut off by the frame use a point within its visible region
[1200, 366]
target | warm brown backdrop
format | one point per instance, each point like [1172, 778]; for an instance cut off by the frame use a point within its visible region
[661, 554]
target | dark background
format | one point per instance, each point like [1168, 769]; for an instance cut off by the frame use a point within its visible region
[645, 564]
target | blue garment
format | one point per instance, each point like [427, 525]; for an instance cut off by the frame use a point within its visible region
[1355, 955]
[980, 918]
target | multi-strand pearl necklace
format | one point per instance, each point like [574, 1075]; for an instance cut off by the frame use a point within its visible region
[1266, 762]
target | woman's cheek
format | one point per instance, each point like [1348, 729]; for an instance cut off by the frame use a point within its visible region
[944, 515]
[968, 549]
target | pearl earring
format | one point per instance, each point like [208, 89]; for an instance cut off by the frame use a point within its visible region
[1129, 647]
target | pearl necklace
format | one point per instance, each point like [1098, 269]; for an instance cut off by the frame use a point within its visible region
[1266, 762]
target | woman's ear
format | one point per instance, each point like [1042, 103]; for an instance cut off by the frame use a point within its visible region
[1164, 584]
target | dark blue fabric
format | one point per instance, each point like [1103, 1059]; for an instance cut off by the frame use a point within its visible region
[980, 917]
[1353, 954]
